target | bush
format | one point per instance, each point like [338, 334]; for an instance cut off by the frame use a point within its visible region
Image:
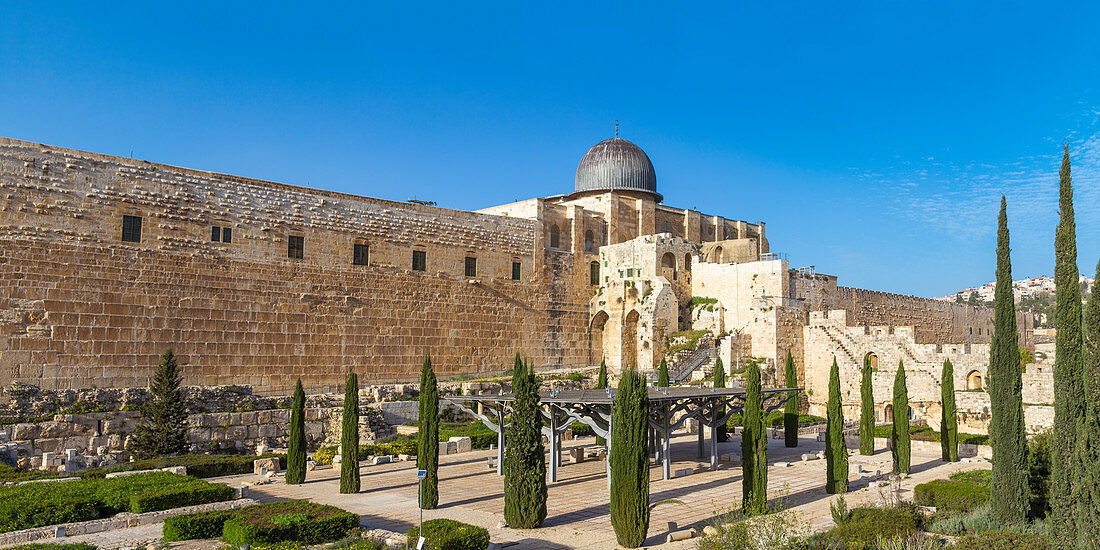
[866, 525]
[446, 534]
[404, 445]
[774, 420]
[204, 525]
[198, 465]
[581, 430]
[975, 476]
[952, 495]
[1003, 540]
[179, 496]
[575, 377]
[924, 433]
[292, 520]
[325, 454]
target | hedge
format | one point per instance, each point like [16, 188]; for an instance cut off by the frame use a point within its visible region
[1003, 540]
[975, 476]
[865, 526]
[200, 466]
[774, 420]
[288, 521]
[447, 534]
[951, 495]
[924, 433]
[50, 503]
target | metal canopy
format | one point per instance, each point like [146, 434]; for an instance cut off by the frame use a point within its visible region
[711, 407]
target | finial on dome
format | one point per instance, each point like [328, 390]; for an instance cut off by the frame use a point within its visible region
[616, 128]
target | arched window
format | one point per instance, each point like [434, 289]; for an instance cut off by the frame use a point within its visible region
[594, 273]
[974, 380]
[668, 260]
[888, 414]
[718, 254]
[555, 236]
[666, 227]
[687, 262]
[589, 241]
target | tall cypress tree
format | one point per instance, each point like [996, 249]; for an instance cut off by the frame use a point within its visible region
[601, 383]
[296, 447]
[349, 437]
[1069, 399]
[1009, 492]
[719, 378]
[836, 453]
[949, 415]
[866, 410]
[900, 434]
[790, 408]
[427, 436]
[629, 461]
[524, 463]
[754, 446]
[662, 374]
[164, 416]
[1086, 486]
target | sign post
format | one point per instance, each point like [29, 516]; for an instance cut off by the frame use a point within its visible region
[420, 475]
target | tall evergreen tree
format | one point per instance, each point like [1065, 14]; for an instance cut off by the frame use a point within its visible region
[296, 447]
[949, 415]
[836, 453]
[163, 430]
[662, 374]
[349, 437]
[719, 379]
[866, 409]
[1009, 492]
[1069, 398]
[524, 463]
[427, 436]
[754, 445]
[1086, 486]
[601, 383]
[790, 408]
[630, 461]
[900, 434]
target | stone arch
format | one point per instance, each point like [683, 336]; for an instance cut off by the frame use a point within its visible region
[555, 236]
[629, 348]
[718, 254]
[888, 414]
[589, 241]
[668, 261]
[595, 338]
[974, 380]
[594, 273]
[873, 358]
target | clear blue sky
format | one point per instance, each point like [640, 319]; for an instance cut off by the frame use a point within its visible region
[874, 138]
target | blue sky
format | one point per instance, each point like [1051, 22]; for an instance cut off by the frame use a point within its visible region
[875, 139]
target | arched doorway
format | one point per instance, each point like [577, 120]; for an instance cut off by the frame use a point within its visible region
[668, 266]
[718, 254]
[873, 359]
[974, 380]
[687, 263]
[595, 338]
[888, 414]
[630, 340]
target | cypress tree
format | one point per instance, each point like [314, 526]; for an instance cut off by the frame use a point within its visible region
[662, 374]
[1086, 487]
[1009, 492]
[427, 435]
[349, 437]
[296, 447]
[719, 378]
[524, 463]
[900, 433]
[629, 461]
[1069, 399]
[836, 453]
[790, 408]
[866, 410]
[949, 417]
[164, 416]
[754, 446]
[601, 383]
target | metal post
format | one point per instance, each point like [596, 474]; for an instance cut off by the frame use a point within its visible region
[666, 463]
[500, 439]
[714, 436]
[699, 430]
[553, 444]
[607, 458]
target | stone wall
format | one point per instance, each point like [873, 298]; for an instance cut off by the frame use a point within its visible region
[80, 308]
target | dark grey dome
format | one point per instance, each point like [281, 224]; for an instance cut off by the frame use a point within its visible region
[616, 165]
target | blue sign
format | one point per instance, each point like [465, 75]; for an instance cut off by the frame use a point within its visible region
[421, 474]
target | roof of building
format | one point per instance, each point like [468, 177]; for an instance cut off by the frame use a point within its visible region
[616, 165]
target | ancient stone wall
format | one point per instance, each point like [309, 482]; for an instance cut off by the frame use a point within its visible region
[935, 321]
[81, 308]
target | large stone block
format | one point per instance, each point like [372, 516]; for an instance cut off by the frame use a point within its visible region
[462, 444]
[268, 464]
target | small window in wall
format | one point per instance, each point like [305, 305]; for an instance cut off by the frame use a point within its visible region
[131, 229]
[594, 273]
[420, 260]
[589, 241]
[471, 266]
[516, 270]
[295, 247]
[360, 254]
[221, 234]
[555, 236]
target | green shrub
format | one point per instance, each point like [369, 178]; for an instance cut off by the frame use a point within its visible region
[179, 496]
[575, 377]
[325, 454]
[446, 534]
[204, 525]
[951, 495]
[974, 476]
[198, 465]
[9, 474]
[293, 520]
[774, 420]
[404, 445]
[581, 429]
[866, 525]
[1003, 540]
